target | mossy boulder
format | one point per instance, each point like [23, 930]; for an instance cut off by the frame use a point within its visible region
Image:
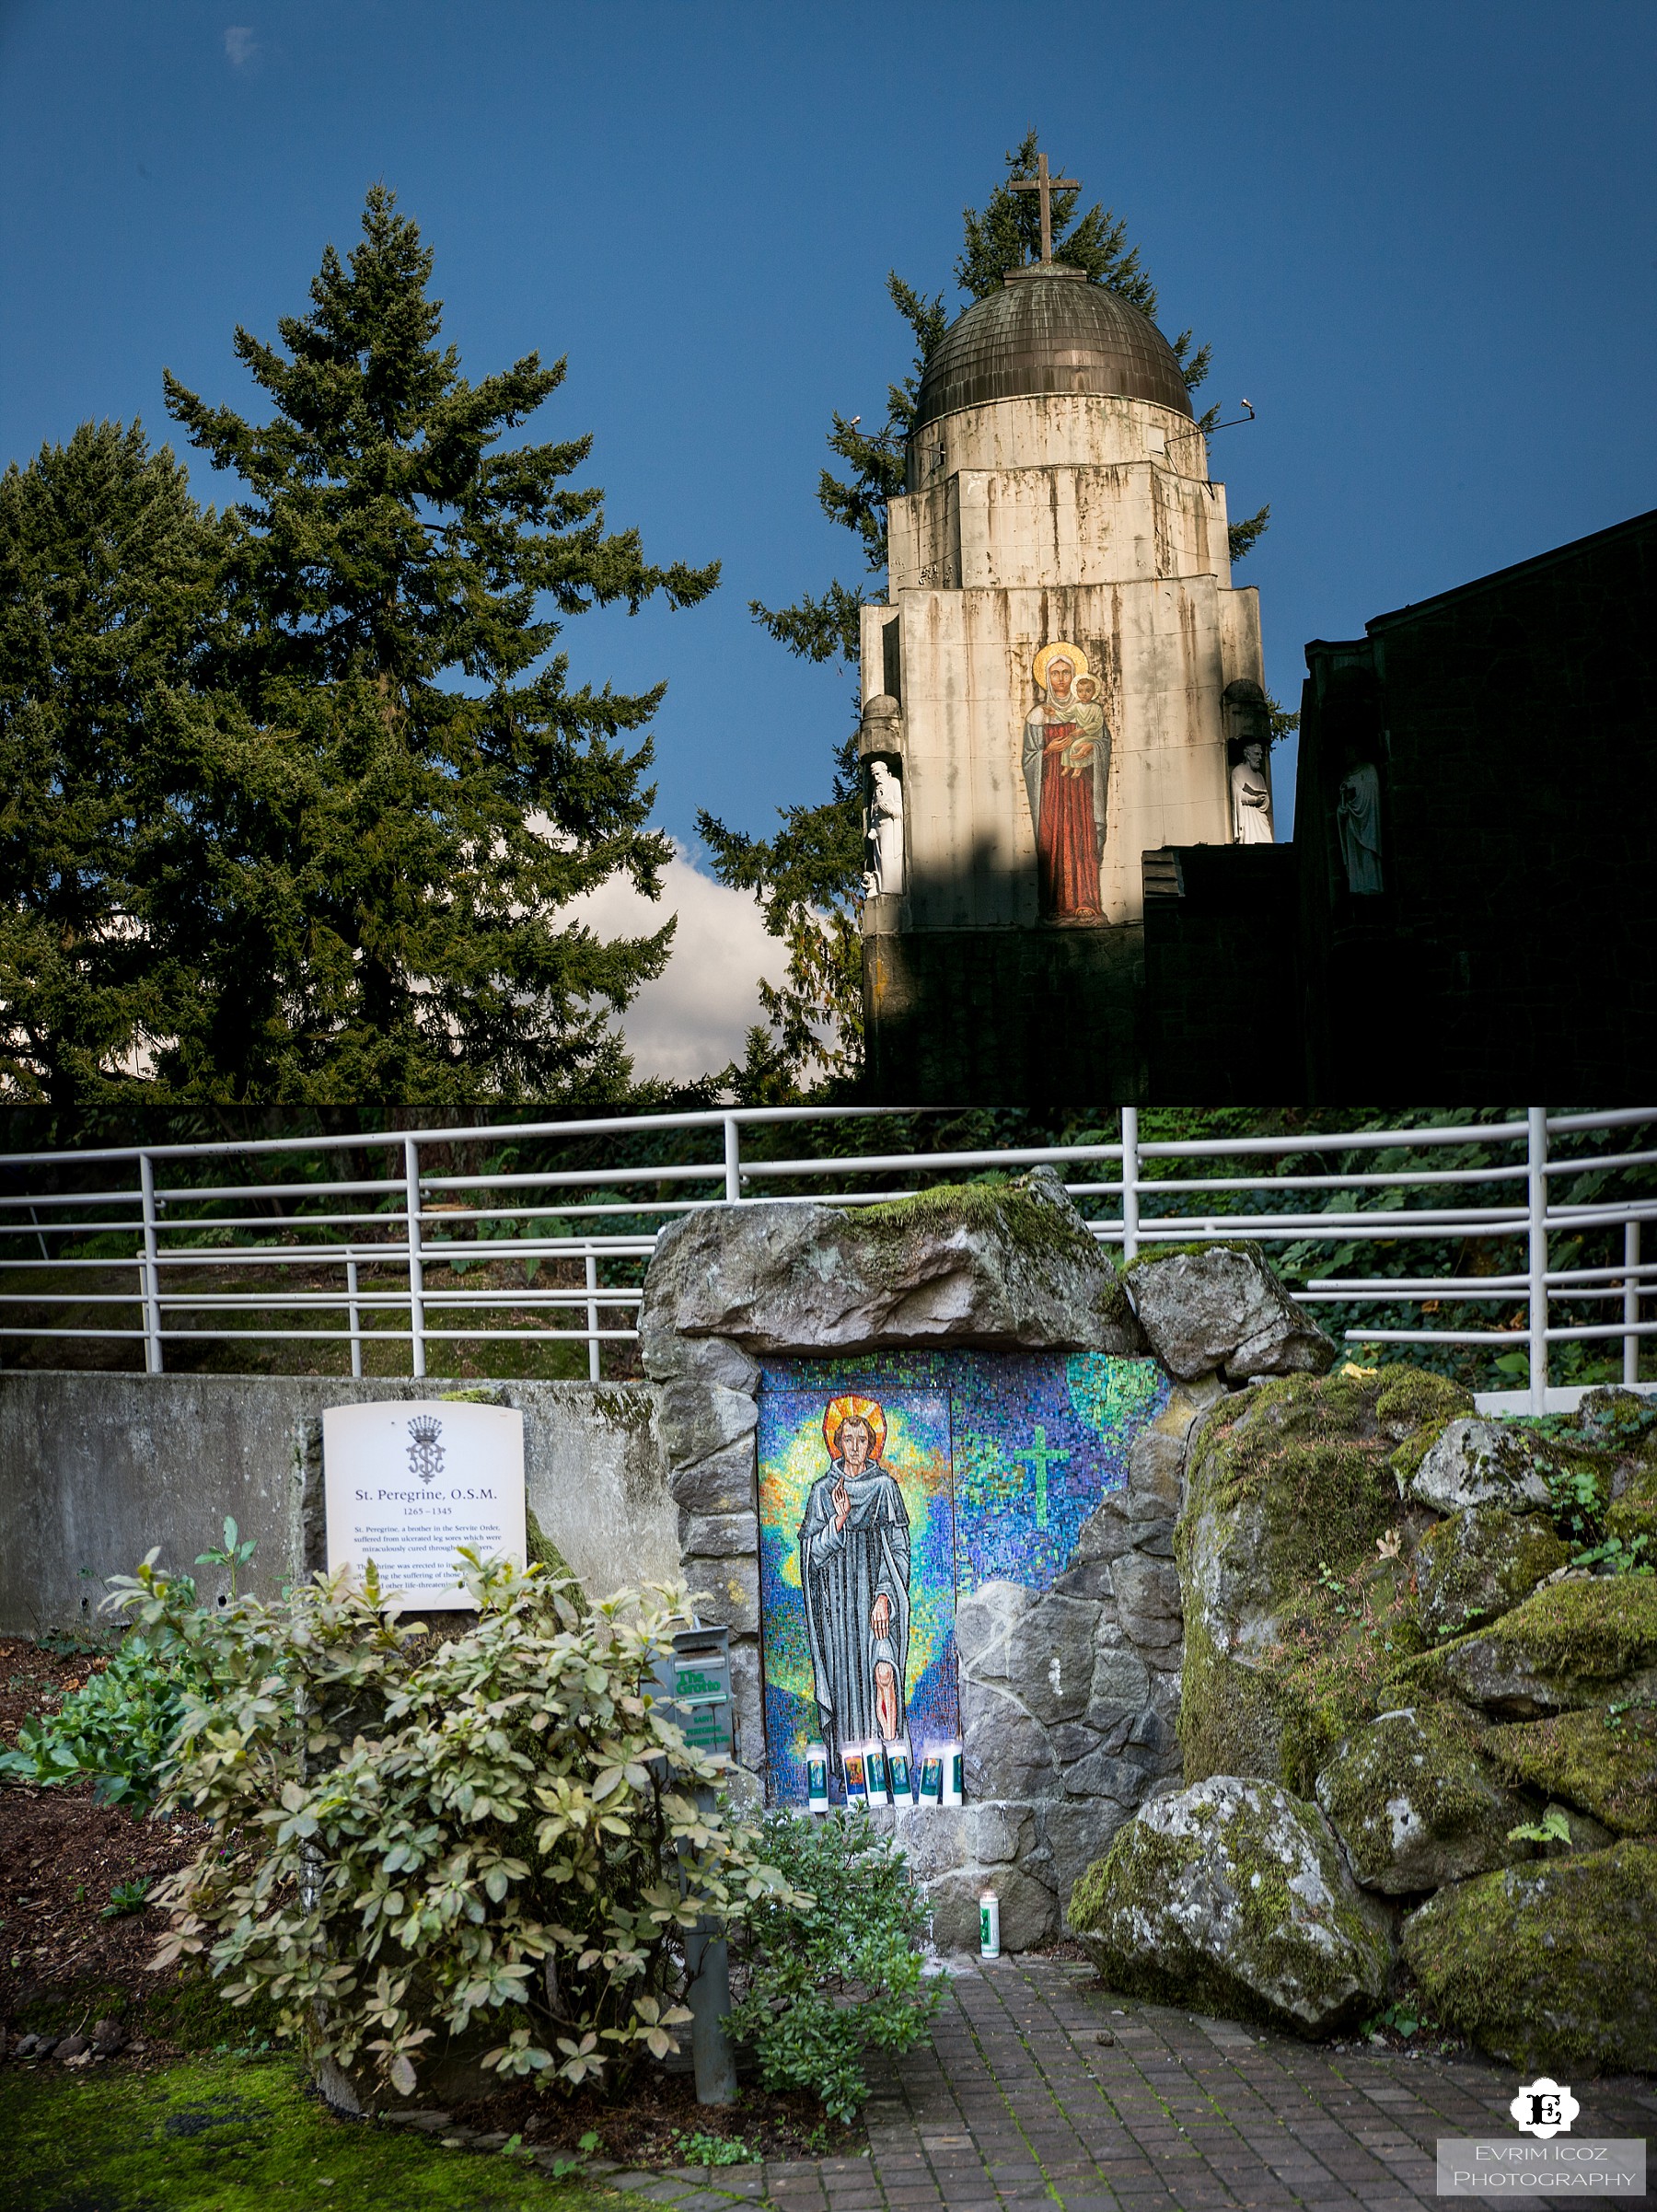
[1230, 1897]
[1473, 1463]
[1476, 1566]
[1205, 1307]
[1415, 1806]
[1601, 1760]
[1563, 1648]
[1631, 1426]
[1289, 1492]
[1003, 1265]
[1549, 1964]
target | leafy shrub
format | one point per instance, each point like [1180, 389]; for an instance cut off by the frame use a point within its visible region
[839, 1972]
[114, 1731]
[411, 1836]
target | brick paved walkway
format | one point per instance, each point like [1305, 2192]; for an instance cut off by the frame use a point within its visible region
[1018, 2102]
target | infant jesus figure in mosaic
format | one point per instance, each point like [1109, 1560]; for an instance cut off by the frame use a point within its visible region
[854, 1574]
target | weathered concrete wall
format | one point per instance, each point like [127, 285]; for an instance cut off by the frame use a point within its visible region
[96, 1470]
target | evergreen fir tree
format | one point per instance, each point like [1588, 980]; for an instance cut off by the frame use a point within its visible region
[108, 582]
[809, 875]
[398, 791]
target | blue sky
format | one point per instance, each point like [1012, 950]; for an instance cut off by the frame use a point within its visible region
[1419, 238]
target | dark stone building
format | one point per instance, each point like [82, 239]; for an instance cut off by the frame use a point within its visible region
[1476, 813]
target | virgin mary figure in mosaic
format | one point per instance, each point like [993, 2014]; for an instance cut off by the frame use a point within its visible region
[854, 1572]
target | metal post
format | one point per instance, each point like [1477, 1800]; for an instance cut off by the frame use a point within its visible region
[1537, 1179]
[356, 1317]
[733, 1135]
[416, 1264]
[592, 1284]
[149, 1273]
[1131, 1216]
[1632, 1303]
[708, 1962]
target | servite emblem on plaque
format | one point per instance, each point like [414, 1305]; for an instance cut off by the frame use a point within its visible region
[425, 1454]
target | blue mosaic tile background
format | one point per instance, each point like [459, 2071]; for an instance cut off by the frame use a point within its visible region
[1008, 1451]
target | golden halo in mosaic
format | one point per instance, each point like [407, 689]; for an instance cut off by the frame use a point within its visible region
[868, 1411]
[1059, 650]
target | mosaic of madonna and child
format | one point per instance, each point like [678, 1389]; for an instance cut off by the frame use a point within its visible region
[1067, 780]
[893, 1485]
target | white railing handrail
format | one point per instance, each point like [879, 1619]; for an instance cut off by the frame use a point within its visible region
[420, 1220]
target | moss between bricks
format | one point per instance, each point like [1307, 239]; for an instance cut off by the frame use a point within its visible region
[1548, 1965]
[1602, 1761]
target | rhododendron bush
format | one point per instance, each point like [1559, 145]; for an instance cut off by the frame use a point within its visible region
[417, 1837]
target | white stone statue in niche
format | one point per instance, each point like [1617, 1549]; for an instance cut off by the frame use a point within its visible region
[1358, 816]
[1251, 799]
[1248, 746]
[883, 833]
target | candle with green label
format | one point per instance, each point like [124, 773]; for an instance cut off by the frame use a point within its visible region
[817, 1778]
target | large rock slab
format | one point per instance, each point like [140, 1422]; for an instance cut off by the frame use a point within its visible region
[1004, 1266]
[1223, 1307]
[1477, 1565]
[1231, 1898]
[1415, 1807]
[1601, 1760]
[1547, 1965]
[1564, 1648]
[1286, 1481]
[1479, 1462]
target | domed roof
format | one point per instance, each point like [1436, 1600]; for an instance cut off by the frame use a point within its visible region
[1049, 330]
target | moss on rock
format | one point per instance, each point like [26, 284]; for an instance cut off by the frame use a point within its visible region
[1602, 1760]
[1549, 1964]
[1288, 1491]
[1478, 1565]
[1231, 1896]
[544, 1553]
[1414, 1805]
[1562, 1648]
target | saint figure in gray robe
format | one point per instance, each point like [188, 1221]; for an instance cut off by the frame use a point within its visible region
[855, 1573]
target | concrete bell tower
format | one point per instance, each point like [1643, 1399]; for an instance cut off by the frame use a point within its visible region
[1062, 681]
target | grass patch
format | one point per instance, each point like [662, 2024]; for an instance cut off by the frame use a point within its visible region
[223, 2135]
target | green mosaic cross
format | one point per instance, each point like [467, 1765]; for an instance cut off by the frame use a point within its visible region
[1041, 1458]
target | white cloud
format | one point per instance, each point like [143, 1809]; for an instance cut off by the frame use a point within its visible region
[694, 1017]
[241, 48]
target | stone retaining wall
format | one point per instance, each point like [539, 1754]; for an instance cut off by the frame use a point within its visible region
[96, 1469]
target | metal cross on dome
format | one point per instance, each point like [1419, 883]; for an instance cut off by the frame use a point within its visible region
[1047, 186]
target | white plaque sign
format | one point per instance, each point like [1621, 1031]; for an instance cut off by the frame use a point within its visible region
[408, 1481]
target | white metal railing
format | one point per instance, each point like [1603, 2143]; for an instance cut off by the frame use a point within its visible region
[355, 1258]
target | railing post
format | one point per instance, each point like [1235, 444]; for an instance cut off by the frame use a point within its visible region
[1537, 1179]
[1632, 1303]
[592, 1285]
[732, 1136]
[1131, 1218]
[356, 1317]
[416, 1264]
[149, 1274]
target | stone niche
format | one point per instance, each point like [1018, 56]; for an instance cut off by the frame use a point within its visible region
[1036, 1425]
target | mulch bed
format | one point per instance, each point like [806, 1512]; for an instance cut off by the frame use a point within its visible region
[61, 1853]
[659, 2111]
